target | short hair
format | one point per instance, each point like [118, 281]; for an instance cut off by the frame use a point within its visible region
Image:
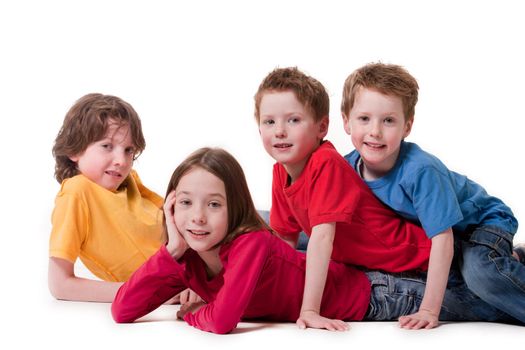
[242, 215]
[309, 91]
[88, 121]
[388, 79]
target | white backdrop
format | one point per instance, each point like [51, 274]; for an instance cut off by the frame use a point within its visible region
[191, 69]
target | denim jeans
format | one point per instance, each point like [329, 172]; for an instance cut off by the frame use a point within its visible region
[395, 295]
[492, 273]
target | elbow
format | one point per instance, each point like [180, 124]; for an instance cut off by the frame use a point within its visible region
[119, 315]
[221, 329]
[56, 289]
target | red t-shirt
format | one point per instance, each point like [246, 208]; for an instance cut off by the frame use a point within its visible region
[368, 233]
[262, 278]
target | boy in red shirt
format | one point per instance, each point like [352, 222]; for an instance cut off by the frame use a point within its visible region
[315, 190]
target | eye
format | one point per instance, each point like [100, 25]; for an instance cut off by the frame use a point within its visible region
[215, 204]
[390, 120]
[130, 150]
[268, 122]
[294, 120]
[107, 146]
[363, 118]
[185, 202]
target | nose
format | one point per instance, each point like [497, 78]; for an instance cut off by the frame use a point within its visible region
[280, 130]
[198, 215]
[376, 130]
[121, 158]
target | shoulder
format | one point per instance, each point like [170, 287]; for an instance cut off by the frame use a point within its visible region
[76, 185]
[248, 242]
[415, 160]
[325, 155]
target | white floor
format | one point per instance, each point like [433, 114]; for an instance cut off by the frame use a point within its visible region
[43, 321]
[73, 325]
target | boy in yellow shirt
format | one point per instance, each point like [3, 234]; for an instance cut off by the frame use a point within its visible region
[103, 213]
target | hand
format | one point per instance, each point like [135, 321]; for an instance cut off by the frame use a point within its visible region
[188, 296]
[312, 319]
[189, 307]
[176, 244]
[421, 319]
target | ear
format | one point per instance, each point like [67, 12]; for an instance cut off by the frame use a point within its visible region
[346, 124]
[323, 127]
[74, 158]
[408, 127]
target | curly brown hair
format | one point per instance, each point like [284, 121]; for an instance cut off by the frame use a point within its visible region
[86, 122]
[309, 91]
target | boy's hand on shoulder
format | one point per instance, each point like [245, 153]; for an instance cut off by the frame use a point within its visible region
[421, 319]
[176, 244]
[311, 319]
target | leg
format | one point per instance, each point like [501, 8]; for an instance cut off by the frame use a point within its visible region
[395, 295]
[492, 273]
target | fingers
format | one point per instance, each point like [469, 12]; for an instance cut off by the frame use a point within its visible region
[409, 322]
[184, 296]
[322, 323]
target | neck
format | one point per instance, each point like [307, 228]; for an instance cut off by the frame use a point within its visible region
[212, 260]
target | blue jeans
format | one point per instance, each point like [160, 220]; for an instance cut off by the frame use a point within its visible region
[395, 295]
[492, 273]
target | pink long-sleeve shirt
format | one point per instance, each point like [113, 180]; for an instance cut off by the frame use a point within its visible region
[262, 278]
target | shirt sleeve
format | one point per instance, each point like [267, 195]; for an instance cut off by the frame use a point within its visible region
[160, 278]
[282, 220]
[333, 191]
[70, 222]
[434, 199]
[246, 260]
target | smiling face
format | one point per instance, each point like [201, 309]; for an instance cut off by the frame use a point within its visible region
[377, 126]
[288, 130]
[108, 161]
[201, 211]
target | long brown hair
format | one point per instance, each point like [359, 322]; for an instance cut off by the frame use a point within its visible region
[242, 215]
[86, 122]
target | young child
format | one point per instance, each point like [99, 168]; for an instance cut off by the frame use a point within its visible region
[103, 213]
[315, 191]
[378, 111]
[221, 248]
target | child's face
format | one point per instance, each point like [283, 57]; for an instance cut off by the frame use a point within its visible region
[108, 162]
[288, 130]
[377, 126]
[201, 211]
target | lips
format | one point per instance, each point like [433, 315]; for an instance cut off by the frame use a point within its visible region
[113, 173]
[282, 145]
[374, 145]
[198, 232]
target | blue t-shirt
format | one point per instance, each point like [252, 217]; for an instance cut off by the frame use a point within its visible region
[421, 188]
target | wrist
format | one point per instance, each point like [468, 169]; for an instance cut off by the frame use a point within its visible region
[429, 311]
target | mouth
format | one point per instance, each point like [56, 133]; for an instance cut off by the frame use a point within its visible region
[374, 145]
[199, 233]
[113, 173]
[282, 145]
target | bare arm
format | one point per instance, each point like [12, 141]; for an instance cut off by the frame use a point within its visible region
[317, 259]
[441, 255]
[64, 285]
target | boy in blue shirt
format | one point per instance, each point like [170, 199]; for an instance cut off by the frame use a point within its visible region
[378, 111]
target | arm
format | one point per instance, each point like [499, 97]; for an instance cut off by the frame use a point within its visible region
[317, 260]
[64, 285]
[246, 260]
[441, 255]
[155, 282]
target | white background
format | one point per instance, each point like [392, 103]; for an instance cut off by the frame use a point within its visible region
[191, 68]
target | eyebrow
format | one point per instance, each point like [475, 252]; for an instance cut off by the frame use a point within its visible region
[210, 195]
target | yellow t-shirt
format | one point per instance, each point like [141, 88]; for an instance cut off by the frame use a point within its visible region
[113, 233]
